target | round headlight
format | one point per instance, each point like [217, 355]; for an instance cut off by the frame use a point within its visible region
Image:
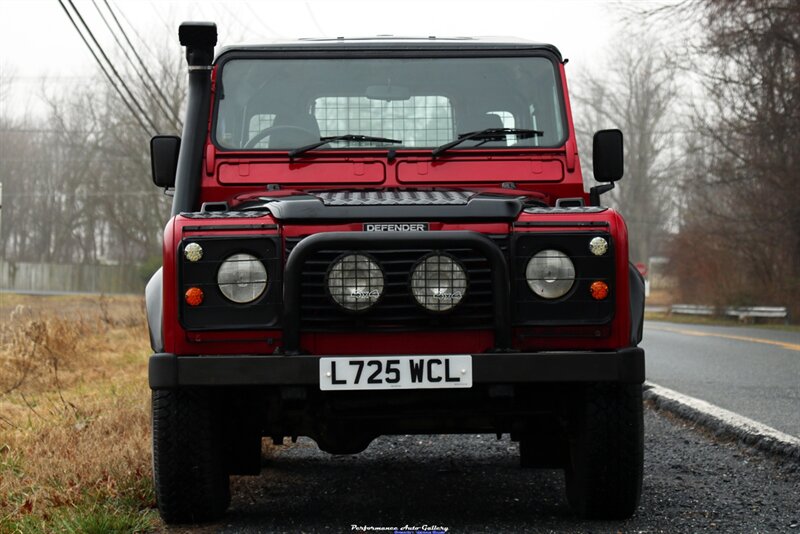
[438, 282]
[550, 274]
[242, 278]
[355, 282]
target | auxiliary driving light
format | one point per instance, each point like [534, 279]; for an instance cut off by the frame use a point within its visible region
[355, 282]
[438, 282]
[550, 274]
[599, 290]
[194, 296]
[598, 246]
[242, 278]
[193, 252]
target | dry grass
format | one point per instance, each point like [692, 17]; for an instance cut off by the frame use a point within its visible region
[74, 416]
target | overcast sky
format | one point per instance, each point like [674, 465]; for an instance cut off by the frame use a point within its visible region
[38, 44]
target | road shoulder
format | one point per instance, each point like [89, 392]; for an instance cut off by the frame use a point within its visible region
[723, 423]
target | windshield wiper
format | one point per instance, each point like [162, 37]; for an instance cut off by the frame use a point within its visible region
[348, 137]
[489, 134]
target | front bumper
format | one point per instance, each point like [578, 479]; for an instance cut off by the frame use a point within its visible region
[170, 371]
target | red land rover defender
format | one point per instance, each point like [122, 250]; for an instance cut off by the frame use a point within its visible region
[389, 236]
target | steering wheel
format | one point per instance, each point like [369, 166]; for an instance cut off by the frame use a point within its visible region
[266, 132]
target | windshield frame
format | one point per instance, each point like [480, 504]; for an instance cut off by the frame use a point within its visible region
[390, 52]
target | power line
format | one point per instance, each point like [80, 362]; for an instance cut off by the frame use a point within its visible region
[114, 70]
[314, 20]
[57, 195]
[261, 21]
[103, 68]
[43, 130]
[39, 77]
[121, 80]
[147, 88]
[83, 159]
[176, 120]
[237, 19]
[166, 25]
[136, 33]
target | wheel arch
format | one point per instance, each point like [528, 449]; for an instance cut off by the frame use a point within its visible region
[636, 282]
[154, 306]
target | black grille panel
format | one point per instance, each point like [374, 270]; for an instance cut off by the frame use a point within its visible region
[395, 198]
[397, 310]
[224, 214]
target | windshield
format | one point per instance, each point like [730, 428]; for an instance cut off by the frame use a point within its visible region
[280, 104]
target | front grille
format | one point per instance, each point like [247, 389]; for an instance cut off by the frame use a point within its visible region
[397, 310]
[224, 214]
[395, 198]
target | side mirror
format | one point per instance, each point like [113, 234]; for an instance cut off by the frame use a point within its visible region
[607, 156]
[164, 159]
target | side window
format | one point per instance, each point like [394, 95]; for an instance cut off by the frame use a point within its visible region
[419, 121]
[257, 123]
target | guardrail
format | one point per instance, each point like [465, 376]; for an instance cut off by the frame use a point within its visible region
[742, 313]
[766, 312]
[692, 309]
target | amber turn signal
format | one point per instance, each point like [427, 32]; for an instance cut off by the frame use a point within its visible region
[599, 290]
[194, 296]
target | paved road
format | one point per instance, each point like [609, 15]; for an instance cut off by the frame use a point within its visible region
[751, 371]
[474, 484]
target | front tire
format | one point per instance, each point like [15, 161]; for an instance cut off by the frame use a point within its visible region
[604, 474]
[191, 483]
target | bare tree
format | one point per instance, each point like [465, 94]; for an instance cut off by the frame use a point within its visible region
[77, 182]
[636, 91]
[745, 187]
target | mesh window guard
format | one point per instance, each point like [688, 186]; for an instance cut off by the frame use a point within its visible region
[256, 125]
[419, 121]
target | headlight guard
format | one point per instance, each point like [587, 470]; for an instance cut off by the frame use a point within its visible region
[438, 282]
[355, 281]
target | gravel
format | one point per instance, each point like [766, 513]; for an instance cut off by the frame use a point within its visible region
[693, 483]
[723, 423]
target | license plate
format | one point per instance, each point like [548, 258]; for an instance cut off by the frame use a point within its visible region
[395, 372]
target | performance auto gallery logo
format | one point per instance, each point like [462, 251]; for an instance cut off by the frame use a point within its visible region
[407, 529]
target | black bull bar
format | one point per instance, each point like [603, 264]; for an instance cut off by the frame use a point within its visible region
[355, 241]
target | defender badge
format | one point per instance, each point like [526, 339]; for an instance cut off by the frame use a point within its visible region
[396, 227]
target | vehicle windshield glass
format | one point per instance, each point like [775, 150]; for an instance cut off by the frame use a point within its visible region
[280, 104]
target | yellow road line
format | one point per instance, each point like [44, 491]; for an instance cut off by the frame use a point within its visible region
[781, 344]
